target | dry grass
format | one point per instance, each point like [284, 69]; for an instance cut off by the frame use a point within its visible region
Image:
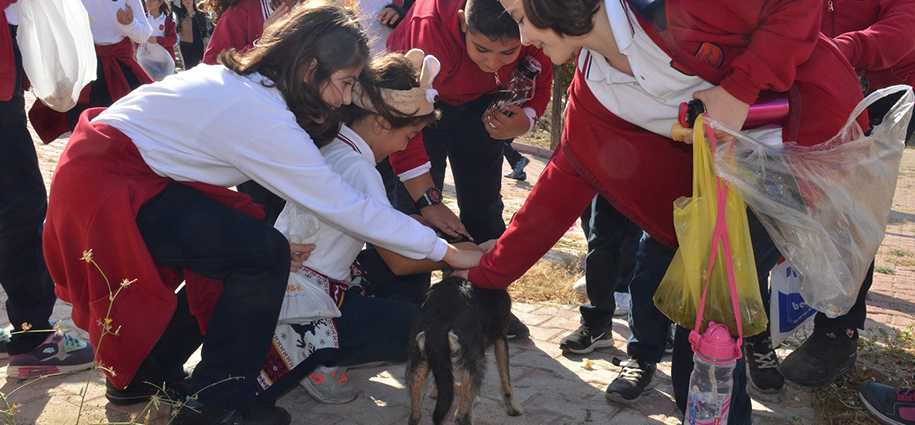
[548, 281]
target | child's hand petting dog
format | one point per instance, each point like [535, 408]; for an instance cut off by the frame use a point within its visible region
[463, 258]
[300, 253]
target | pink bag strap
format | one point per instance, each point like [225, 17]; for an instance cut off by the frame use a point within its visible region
[720, 236]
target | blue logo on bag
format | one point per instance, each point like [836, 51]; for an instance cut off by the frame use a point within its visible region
[794, 310]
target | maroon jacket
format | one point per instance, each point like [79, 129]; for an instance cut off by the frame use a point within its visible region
[746, 47]
[98, 187]
[238, 27]
[876, 36]
[7, 62]
[434, 27]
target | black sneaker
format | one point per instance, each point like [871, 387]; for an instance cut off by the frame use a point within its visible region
[763, 363]
[824, 357]
[195, 413]
[586, 339]
[636, 377]
[516, 329]
[518, 172]
[888, 404]
[143, 392]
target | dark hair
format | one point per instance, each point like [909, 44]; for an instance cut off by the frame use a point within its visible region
[391, 71]
[165, 8]
[565, 17]
[315, 32]
[182, 11]
[489, 18]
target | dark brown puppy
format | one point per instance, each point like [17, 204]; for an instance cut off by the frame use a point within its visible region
[455, 325]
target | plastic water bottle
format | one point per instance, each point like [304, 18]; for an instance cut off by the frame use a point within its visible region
[711, 382]
[520, 86]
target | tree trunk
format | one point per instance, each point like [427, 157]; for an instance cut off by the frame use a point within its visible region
[557, 119]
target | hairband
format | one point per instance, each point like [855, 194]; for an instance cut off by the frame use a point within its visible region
[417, 101]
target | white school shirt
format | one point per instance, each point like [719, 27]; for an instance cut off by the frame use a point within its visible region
[103, 21]
[336, 249]
[157, 24]
[651, 97]
[214, 126]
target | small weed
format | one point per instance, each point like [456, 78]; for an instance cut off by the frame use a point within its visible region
[900, 257]
[885, 270]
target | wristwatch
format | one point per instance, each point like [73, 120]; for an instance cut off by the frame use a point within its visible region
[432, 196]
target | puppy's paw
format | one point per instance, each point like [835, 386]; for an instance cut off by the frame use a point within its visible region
[514, 409]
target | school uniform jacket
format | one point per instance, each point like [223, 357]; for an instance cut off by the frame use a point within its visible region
[238, 28]
[746, 47]
[434, 27]
[7, 63]
[876, 36]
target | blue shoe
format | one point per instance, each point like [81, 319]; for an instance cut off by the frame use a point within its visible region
[889, 405]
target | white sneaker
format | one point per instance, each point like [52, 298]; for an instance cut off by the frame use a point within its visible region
[622, 303]
[581, 286]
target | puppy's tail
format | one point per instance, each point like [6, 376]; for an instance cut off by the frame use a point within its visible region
[441, 365]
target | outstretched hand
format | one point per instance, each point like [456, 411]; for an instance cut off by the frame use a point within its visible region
[442, 218]
[463, 258]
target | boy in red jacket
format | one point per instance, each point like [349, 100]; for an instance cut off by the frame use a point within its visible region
[478, 46]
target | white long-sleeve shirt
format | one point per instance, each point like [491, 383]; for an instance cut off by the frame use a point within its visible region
[214, 126]
[103, 21]
[336, 249]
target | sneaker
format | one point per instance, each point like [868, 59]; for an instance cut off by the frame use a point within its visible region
[518, 172]
[622, 303]
[59, 353]
[585, 340]
[581, 286]
[824, 357]
[143, 392]
[516, 329]
[889, 405]
[195, 413]
[330, 385]
[636, 377]
[763, 364]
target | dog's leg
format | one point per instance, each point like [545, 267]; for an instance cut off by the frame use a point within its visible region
[512, 407]
[417, 374]
[470, 388]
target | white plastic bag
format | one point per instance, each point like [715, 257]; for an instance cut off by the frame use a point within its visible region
[825, 206]
[306, 301]
[58, 53]
[787, 309]
[155, 60]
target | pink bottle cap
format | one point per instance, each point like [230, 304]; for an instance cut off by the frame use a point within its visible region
[716, 344]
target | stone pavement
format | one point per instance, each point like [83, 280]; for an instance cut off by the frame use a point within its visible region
[552, 388]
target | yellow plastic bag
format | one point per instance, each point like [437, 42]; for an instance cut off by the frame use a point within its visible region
[679, 294]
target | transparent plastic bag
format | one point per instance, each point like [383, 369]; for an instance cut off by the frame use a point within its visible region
[825, 206]
[58, 53]
[680, 291]
[155, 60]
